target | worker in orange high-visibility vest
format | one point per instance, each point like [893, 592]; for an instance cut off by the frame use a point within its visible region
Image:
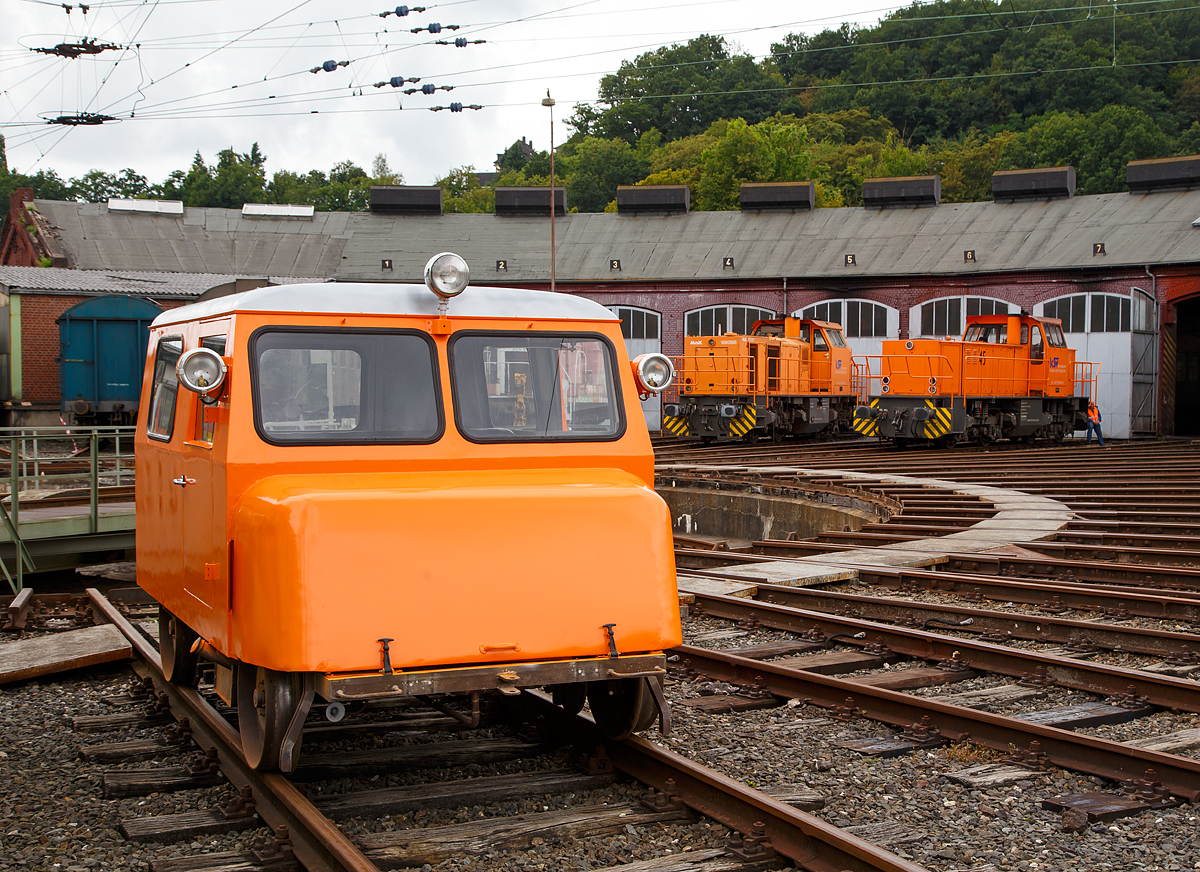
[1094, 423]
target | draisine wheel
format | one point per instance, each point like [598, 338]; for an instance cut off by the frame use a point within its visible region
[266, 701]
[570, 696]
[622, 706]
[175, 639]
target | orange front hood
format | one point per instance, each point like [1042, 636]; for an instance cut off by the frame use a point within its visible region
[455, 567]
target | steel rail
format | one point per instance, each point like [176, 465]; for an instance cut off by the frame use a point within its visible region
[1179, 775]
[808, 841]
[1034, 628]
[1183, 606]
[1098, 678]
[316, 841]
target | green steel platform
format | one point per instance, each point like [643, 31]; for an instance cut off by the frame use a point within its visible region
[73, 503]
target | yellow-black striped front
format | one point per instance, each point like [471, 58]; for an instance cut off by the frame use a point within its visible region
[676, 425]
[743, 422]
[938, 424]
[866, 426]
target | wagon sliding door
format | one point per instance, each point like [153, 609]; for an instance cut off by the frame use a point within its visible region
[1143, 406]
[102, 350]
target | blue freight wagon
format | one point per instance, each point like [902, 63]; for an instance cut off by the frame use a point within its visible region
[102, 353]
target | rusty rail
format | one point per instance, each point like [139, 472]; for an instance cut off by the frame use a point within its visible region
[316, 842]
[1179, 775]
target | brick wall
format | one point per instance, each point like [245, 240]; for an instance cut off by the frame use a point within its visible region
[673, 299]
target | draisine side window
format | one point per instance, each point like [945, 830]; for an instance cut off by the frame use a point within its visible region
[164, 389]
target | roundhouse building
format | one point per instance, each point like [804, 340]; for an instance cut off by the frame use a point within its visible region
[1122, 271]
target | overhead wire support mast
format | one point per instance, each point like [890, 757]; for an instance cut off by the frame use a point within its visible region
[75, 49]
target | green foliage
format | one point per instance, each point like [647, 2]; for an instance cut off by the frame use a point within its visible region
[680, 90]
[1097, 145]
[463, 192]
[596, 167]
[777, 150]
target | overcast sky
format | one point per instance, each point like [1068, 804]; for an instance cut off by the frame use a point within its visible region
[214, 74]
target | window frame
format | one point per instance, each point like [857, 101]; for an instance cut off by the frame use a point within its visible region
[435, 369]
[151, 433]
[729, 314]
[628, 326]
[617, 389]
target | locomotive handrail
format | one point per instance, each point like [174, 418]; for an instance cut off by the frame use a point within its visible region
[786, 370]
[1001, 369]
[59, 458]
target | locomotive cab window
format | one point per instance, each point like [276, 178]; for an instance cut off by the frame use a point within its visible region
[996, 334]
[344, 387]
[836, 339]
[1036, 351]
[164, 388]
[535, 387]
[819, 343]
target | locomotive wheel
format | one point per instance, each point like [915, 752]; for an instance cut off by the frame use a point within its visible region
[776, 434]
[570, 696]
[266, 701]
[622, 706]
[175, 639]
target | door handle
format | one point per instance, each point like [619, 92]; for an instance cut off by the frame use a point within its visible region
[183, 481]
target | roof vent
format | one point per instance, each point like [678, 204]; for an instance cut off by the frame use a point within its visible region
[530, 201]
[406, 199]
[158, 207]
[904, 191]
[275, 210]
[1165, 174]
[1048, 183]
[778, 196]
[662, 199]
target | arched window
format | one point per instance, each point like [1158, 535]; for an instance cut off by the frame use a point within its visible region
[715, 320]
[944, 317]
[1109, 313]
[862, 318]
[637, 323]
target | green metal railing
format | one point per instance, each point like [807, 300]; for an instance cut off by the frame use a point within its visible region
[73, 461]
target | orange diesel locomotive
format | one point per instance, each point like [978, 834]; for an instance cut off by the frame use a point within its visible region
[1011, 377]
[790, 376]
[377, 491]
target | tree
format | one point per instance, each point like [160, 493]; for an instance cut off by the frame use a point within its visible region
[596, 167]
[463, 192]
[777, 150]
[1098, 146]
[382, 174]
[97, 186]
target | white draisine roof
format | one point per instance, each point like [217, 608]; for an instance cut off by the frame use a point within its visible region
[394, 299]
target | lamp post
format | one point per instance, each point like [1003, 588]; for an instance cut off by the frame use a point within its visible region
[548, 102]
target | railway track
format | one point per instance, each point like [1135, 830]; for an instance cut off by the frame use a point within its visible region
[927, 743]
[303, 820]
[1091, 587]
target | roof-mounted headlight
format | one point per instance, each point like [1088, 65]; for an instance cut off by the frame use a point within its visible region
[654, 373]
[201, 371]
[447, 275]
